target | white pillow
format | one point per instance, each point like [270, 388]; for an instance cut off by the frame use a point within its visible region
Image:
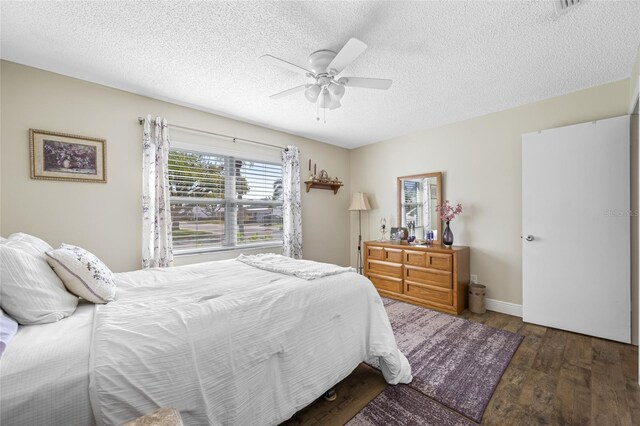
[29, 243]
[29, 290]
[83, 273]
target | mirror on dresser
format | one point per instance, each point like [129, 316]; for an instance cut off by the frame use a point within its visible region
[418, 196]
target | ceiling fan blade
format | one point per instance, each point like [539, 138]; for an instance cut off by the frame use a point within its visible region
[289, 91]
[347, 54]
[284, 64]
[367, 83]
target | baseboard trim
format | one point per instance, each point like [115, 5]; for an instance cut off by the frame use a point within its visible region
[504, 307]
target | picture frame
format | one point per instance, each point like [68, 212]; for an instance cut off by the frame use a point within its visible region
[400, 230]
[62, 156]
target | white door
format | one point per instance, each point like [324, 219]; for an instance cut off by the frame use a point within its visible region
[575, 228]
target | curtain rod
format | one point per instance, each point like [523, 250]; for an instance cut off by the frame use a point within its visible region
[206, 132]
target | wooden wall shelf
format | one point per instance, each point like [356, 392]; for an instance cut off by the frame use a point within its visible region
[323, 185]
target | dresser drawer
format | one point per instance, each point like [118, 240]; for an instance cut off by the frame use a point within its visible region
[393, 255]
[375, 253]
[440, 261]
[386, 283]
[428, 293]
[416, 258]
[384, 268]
[431, 277]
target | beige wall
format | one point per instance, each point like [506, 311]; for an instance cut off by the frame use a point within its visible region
[480, 159]
[105, 218]
[481, 163]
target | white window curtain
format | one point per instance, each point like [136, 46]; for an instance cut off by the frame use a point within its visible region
[292, 211]
[157, 247]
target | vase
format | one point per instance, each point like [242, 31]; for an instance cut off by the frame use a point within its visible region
[447, 236]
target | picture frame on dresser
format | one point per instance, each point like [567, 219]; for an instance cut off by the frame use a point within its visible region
[399, 233]
[435, 277]
[63, 156]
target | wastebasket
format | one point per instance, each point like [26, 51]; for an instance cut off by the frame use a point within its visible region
[477, 293]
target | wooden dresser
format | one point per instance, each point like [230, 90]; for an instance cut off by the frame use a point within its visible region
[435, 277]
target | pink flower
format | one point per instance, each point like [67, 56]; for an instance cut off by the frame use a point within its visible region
[448, 212]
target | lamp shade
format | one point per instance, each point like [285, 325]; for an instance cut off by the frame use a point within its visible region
[312, 93]
[359, 201]
[336, 90]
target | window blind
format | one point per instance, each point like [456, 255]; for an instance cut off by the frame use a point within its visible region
[412, 202]
[222, 202]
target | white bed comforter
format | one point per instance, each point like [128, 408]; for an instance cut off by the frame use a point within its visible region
[227, 343]
[305, 269]
[44, 373]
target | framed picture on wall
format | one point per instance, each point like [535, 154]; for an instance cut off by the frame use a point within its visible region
[60, 156]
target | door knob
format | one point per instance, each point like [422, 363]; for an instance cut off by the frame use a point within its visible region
[529, 237]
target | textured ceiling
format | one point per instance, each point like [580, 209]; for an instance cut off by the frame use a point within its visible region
[449, 60]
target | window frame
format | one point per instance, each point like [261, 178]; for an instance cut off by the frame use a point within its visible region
[232, 156]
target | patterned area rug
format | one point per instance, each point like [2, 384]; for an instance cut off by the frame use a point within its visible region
[400, 405]
[454, 361]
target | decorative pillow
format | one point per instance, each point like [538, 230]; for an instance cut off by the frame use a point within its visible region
[29, 243]
[8, 328]
[83, 273]
[29, 290]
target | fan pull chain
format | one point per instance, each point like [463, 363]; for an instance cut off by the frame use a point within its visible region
[317, 111]
[325, 115]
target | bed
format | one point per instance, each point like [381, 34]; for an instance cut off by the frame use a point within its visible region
[223, 342]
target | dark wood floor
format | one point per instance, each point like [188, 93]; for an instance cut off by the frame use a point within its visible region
[555, 378]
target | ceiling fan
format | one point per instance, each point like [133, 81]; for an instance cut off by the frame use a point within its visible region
[324, 67]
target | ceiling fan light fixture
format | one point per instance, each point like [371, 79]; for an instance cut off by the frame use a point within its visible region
[334, 104]
[326, 101]
[323, 99]
[336, 90]
[312, 93]
[325, 66]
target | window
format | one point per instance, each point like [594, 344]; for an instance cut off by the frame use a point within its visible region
[418, 203]
[222, 202]
[412, 203]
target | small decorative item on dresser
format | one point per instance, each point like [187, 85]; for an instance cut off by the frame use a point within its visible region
[428, 237]
[447, 235]
[399, 234]
[447, 214]
[383, 229]
[412, 232]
